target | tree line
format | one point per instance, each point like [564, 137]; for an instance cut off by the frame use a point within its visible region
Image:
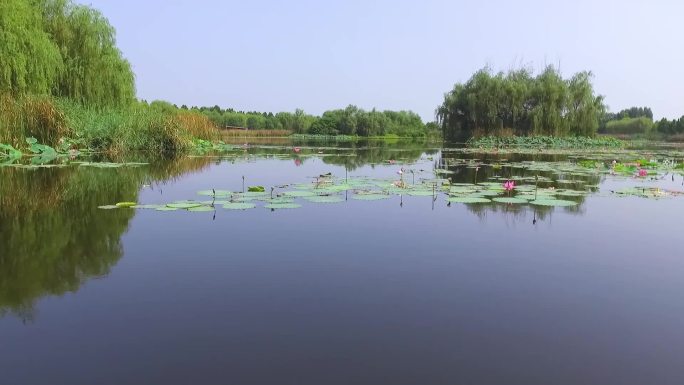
[517, 102]
[348, 121]
[639, 120]
[58, 48]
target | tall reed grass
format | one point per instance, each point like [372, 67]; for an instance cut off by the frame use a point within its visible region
[23, 116]
[138, 127]
[255, 133]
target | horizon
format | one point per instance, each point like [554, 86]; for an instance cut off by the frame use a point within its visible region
[269, 59]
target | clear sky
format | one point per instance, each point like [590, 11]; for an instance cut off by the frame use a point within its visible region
[270, 55]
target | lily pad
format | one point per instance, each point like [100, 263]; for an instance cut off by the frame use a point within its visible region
[469, 200]
[421, 193]
[126, 204]
[183, 205]
[150, 207]
[239, 206]
[222, 193]
[166, 209]
[108, 207]
[515, 201]
[201, 209]
[298, 193]
[370, 197]
[553, 202]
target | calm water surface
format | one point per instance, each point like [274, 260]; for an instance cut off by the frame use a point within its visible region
[405, 290]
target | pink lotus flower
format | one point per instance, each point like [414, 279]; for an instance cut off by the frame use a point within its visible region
[642, 172]
[401, 171]
[297, 149]
[509, 185]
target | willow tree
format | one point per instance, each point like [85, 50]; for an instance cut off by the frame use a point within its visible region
[95, 71]
[29, 60]
[517, 102]
[584, 108]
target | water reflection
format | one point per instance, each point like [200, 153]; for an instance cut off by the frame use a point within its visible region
[52, 235]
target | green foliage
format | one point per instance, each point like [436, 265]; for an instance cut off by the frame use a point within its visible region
[95, 71]
[545, 142]
[351, 121]
[64, 49]
[642, 125]
[26, 116]
[8, 151]
[518, 103]
[670, 127]
[138, 127]
[29, 59]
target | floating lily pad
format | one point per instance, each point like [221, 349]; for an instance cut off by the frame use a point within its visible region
[216, 202]
[108, 207]
[150, 207]
[553, 202]
[201, 209]
[239, 206]
[183, 205]
[283, 206]
[283, 199]
[214, 192]
[370, 197]
[166, 209]
[420, 193]
[126, 204]
[252, 194]
[468, 200]
[489, 193]
[298, 193]
[515, 201]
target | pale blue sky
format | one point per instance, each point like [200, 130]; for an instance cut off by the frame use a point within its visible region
[391, 54]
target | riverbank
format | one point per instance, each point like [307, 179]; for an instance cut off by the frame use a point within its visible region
[66, 125]
[545, 142]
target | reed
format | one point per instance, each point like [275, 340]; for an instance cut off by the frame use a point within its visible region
[255, 133]
[31, 116]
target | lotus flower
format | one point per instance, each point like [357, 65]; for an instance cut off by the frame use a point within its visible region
[509, 185]
[401, 171]
[297, 149]
[642, 172]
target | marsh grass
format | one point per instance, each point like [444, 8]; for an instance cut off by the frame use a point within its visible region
[139, 127]
[31, 116]
[255, 133]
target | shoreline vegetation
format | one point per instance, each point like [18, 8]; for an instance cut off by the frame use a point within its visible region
[65, 86]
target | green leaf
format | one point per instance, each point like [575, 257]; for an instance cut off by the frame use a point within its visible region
[298, 193]
[469, 200]
[239, 206]
[183, 205]
[553, 202]
[515, 201]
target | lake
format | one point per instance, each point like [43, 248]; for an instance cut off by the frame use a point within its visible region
[368, 268]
